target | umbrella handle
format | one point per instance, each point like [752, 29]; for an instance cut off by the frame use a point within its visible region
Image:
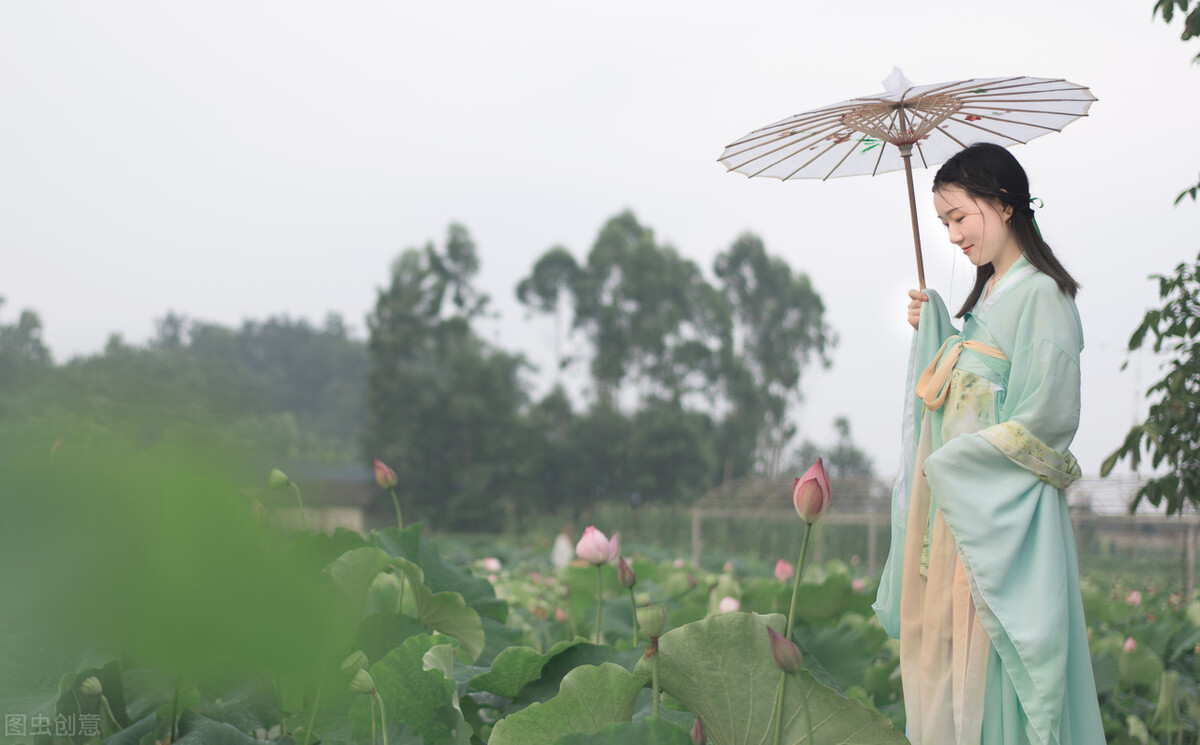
[906, 154]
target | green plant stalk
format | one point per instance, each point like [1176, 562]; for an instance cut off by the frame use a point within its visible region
[371, 700]
[654, 674]
[796, 584]
[633, 605]
[778, 715]
[312, 717]
[108, 710]
[382, 717]
[303, 519]
[396, 503]
[599, 601]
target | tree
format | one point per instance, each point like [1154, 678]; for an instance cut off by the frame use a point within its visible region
[23, 356]
[442, 407]
[1171, 432]
[1191, 30]
[843, 459]
[778, 327]
[648, 314]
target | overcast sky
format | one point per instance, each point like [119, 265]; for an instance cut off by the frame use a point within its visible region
[234, 160]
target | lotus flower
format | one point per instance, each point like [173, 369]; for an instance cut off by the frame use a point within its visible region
[595, 548]
[784, 570]
[1134, 598]
[1130, 644]
[384, 476]
[811, 493]
[699, 736]
[490, 564]
[729, 605]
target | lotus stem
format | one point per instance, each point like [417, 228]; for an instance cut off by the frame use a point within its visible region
[599, 601]
[396, 503]
[312, 717]
[303, 519]
[654, 673]
[633, 605]
[371, 700]
[382, 717]
[796, 584]
[778, 717]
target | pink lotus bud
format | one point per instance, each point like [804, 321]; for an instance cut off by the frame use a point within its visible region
[1134, 598]
[1130, 644]
[786, 653]
[729, 605]
[560, 615]
[490, 564]
[678, 564]
[811, 493]
[784, 570]
[699, 736]
[625, 574]
[595, 548]
[384, 476]
[727, 567]
[858, 584]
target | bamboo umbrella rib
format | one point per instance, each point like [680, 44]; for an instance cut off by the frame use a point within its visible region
[849, 152]
[989, 131]
[973, 108]
[882, 148]
[946, 132]
[786, 144]
[1002, 120]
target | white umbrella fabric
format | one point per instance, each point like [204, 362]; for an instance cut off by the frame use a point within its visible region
[880, 133]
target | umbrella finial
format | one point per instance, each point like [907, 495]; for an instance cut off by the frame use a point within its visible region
[896, 81]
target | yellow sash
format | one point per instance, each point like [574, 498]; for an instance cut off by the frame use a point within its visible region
[932, 385]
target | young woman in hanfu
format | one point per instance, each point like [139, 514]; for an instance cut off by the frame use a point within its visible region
[982, 581]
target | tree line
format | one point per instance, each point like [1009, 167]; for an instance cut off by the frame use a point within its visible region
[691, 381]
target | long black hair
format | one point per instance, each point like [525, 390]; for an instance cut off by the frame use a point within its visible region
[990, 172]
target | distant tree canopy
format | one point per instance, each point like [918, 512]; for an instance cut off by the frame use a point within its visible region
[691, 380]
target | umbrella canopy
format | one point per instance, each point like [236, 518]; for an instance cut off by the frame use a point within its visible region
[880, 133]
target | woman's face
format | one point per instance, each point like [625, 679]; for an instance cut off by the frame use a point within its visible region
[977, 227]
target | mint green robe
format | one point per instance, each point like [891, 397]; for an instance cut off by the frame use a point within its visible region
[996, 466]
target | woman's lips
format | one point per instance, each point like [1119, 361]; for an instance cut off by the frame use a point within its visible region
[966, 249]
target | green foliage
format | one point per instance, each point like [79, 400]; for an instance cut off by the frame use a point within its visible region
[589, 698]
[702, 662]
[1191, 23]
[1171, 432]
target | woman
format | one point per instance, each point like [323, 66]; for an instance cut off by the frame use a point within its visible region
[982, 583]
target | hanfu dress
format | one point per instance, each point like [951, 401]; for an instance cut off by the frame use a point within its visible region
[981, 584]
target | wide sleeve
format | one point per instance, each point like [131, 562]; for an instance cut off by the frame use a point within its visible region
[934, 327]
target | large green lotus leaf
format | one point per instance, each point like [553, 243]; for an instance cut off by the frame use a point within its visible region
[845, 652]
[766, 596]
[380, 633]
[195, 729]
[353, 573]
[583, 653]
[415, 692]
[440, 575]
[498, 637]
[722, 669]
[516, 667]
[445, 612]
[830, 599]
[643, 732]
[589, 698]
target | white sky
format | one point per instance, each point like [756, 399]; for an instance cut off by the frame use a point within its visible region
[240, 159]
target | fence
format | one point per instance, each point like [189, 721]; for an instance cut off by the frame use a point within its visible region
[857, 528]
